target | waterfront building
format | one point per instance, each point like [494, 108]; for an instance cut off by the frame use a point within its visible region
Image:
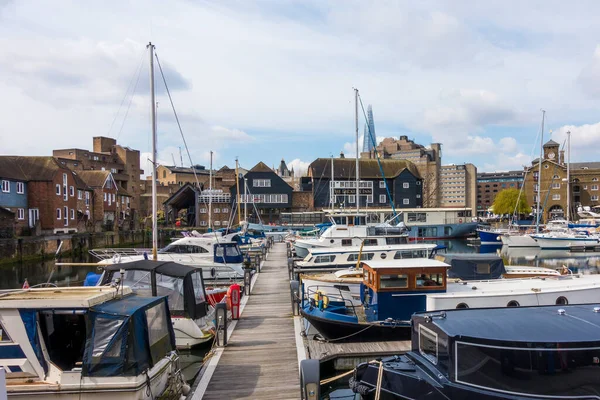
[489, 184]
[458, 186]
[106, 155]
[426, 159]
[551, 189]
[369, 136]
[402, 177]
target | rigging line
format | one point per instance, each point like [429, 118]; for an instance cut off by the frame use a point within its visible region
[130, 101]
[533, 149]
[387, 189]
[135, 72]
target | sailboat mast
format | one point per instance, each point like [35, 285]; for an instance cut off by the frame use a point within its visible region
[332, 189]
[357, 155]
[210, 193]
[237, 191]
[568, 176]
[539, 192]
[153, 121]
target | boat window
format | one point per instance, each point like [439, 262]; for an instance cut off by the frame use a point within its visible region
[430, 280]
[183, 249]
[428, 344]
[346, 242]
[462, 305]
[416, 217]
[232, 251]
[410, 254]
[198, 289]
[389, 281]
[324, 259]
[547, 370]
[370, 242]
[395, 240]
[513, 303]
[4, 337]
[562, 300]
[483, 268]
[363, 257]
[172, 287]
[367, 276]
[104, 331]
[157, 323]
[383, 256]
[342, 287]
[138, 281]
[65, 334]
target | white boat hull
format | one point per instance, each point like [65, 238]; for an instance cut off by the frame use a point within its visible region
[190, 333]
[518, 240]
[565, 243]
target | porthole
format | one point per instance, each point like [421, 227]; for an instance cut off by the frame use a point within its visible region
[331, 241]
[562, 300]
[383, 256]
[513, 303]
[462, 305]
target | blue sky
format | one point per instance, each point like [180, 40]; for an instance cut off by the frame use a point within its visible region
[268, 80]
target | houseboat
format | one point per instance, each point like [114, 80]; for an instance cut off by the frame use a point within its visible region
[87, 343]
[351, 229]
[526, 353]
[438, 223]
[191, 315]
[391, 291]
[218, 259]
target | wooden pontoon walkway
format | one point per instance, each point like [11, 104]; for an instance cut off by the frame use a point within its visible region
[260, 360]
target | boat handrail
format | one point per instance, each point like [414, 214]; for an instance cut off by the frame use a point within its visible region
[348, 304]
[104, 254]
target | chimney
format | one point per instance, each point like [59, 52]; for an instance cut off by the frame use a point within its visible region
[561, 157]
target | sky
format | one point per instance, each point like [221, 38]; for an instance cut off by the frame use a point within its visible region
[267, 80]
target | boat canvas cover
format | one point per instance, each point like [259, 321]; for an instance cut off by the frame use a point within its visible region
[473, 266]
[127, 336]
[183, 284]
[228, 252]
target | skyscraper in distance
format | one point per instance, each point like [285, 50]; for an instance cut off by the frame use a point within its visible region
[369, 135]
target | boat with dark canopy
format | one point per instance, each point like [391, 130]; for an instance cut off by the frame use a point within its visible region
[503, 353]
[184, 287]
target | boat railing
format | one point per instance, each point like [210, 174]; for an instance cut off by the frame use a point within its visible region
[104, 254]
[326, 293]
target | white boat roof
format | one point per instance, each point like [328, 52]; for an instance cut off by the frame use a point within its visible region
[406, 263]
[370, 249]
[61, 297]
[199, 240]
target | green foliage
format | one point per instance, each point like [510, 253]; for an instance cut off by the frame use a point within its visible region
[507, 199]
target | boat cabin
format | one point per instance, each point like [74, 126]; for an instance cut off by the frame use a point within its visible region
[182, 284]
[396, 289]
[348, 219]
[70, 339]
[552, 352]
[223, 252]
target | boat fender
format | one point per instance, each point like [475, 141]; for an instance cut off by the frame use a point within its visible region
[321, 299]
[213, 272]
[116, 258]
[460, 220]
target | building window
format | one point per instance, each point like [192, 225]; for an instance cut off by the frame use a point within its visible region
[370, 198]
[405, 185]
[225, 210]
[217, 210]
[113, 197]
[594, 187]
[352, 199]
[261, 182]
[58, 193]
[20, 188]
[79, 194]
[217, 223]
[556, 186]
[381, 184]
[418, 183]
[87, 198]
[72, 213]
[556, 177]
[71, 191]
[405, 201]
[556, 197]
[594, 198]
[382, 198]
[202, 223]
[225, 223]
[105, 196]
[58, 213]
[66, 215]
[594, 179]
[95, 158]
[6, 186]
[21, 213]
[113, 170]
[203, 211]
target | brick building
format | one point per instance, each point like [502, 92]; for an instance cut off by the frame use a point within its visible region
[489, 184]
[111, 203]
[458, 186]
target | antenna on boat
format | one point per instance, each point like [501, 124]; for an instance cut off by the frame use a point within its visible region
[153, 122]
[539, 185]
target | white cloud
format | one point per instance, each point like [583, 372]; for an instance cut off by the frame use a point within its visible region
[584, 140]
[300, 167]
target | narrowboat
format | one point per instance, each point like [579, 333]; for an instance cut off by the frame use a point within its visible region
[550, 352]
[87, 343]
[191, 315]
[393, 290]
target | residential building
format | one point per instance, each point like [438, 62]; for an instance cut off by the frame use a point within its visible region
[213, 207]
[489, 184]
[404, 183]
[50, 192]
[426, 159]
[121, 161]
[263, 190]
[111, 203]
[551, 188]
[458, 186]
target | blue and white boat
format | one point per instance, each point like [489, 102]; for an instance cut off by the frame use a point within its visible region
[87, 343]
[565, 240]
[488, 236]
[489, 354]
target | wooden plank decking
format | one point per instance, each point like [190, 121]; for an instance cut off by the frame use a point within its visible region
[260, 360]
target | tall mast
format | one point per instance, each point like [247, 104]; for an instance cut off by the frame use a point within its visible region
[539, 192]
[568, 176]
[210, 193]
[246, 202]
[332, 190]
[237, 191]
[153, 121]
[357, 155]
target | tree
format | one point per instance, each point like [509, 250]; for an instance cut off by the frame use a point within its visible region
[506, 201]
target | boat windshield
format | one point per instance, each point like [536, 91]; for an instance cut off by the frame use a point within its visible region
[551, 369]
[183, 249]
